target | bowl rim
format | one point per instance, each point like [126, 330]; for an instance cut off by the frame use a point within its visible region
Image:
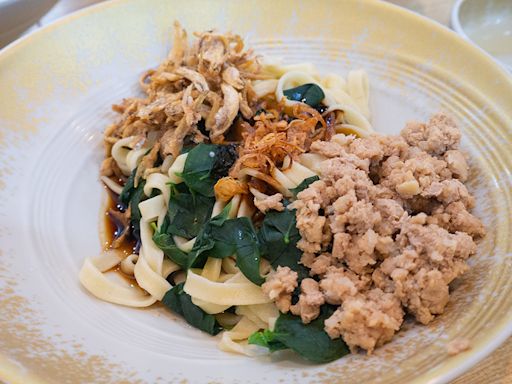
[445, 373]
[457, 27]
[455, 20]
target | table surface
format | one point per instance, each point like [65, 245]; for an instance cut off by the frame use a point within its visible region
[496, 368]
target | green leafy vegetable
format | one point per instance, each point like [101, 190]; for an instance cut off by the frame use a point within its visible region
[136, 198]
[302, 186]
[308, 340]
[310, 94]
[278, 237]
[180, 302]
[128, 189]
[219, 237]
[223, 237]
[131, 197]
[166, 243]
[205, 164]
[204, 242]
[188, 212]
[197, 170]
[267, 339]
[241, 234]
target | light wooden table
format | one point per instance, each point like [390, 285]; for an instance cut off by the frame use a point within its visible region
[495, 369]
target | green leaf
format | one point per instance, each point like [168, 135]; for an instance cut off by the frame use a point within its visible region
[131, 197]
[246, 247]
[223, 237]
[180, 302]
[266, 339]
[135, 216]
[128, 189]
[204, 242]
[310, 94]
[188, 212]
[166, 243]
[278, 237]
[303, 185]
[205, 164]
[197, 170]
[309, 340]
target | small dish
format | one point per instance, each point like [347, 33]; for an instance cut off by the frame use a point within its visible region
[16, 16]
[488, 24]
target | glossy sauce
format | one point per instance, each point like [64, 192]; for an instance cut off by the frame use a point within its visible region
[128, 245]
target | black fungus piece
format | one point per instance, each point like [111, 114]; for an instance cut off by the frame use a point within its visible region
[225, 158]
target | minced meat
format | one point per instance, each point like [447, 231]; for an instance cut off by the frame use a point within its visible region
[384, 232]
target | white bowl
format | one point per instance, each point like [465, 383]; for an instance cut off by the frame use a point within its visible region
[17, 16]
[488, 24]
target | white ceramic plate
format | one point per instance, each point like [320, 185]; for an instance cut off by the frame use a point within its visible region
[57, 87]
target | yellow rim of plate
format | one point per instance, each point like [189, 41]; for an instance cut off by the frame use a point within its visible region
[447, 370]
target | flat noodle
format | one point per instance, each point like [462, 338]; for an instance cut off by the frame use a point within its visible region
[351, 116]
[148, 270]
[134, 157]
[103, 288]
[297, 172]
[236, 340]
[349, 129]
[211, 269]
[229, 265]
[264, 87]
[128, 264]
[282, 179]
[245, 328]
[227, 293]
[267, 313]
[245, 311]
[112, 185]
[153, 208]
[184, 244]
[169, 267]
[152, 254]
[209, 308]
[358, 88]
[160, 182]
[334, 82]
[312, 161]
[120, 151]
[107, 259]
[150, 280]
[176, 168]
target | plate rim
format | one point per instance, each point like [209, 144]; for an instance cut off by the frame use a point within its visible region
[445, 371]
